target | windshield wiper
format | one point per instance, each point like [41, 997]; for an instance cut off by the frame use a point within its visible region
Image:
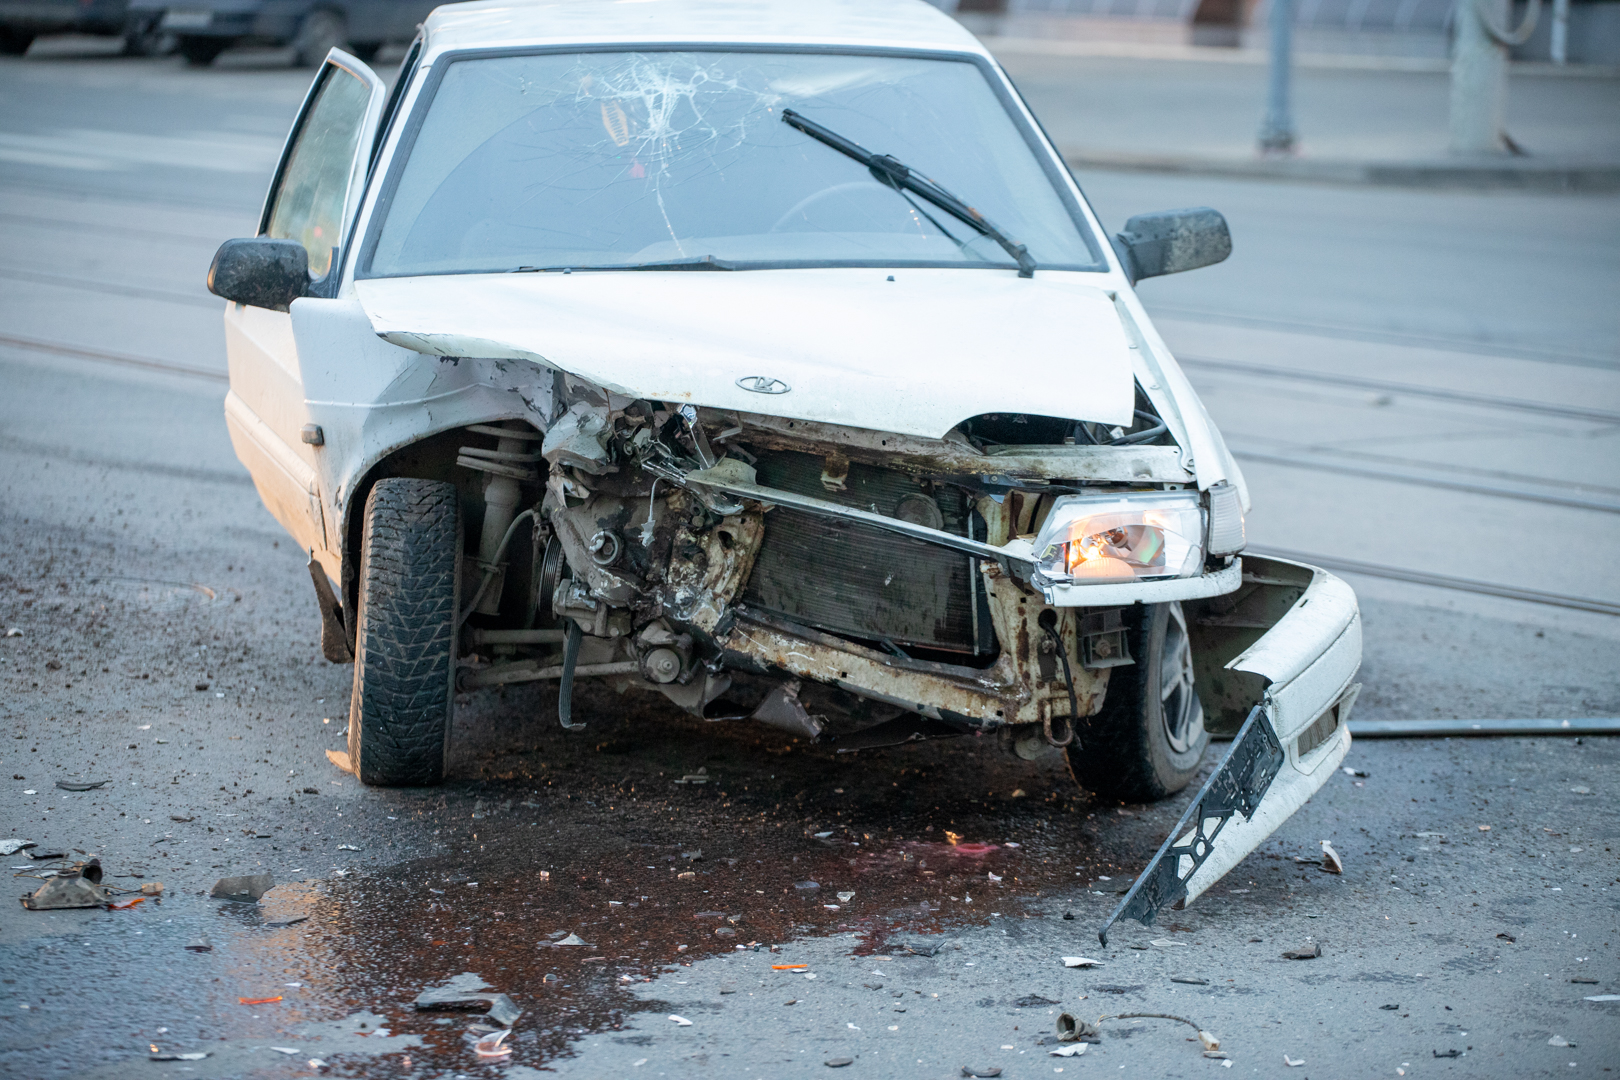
[899, 176]
[699, 262]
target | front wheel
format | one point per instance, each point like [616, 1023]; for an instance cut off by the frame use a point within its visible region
[405, 633]
[1149, 738]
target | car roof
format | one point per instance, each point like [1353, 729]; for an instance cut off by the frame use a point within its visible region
[898, 24]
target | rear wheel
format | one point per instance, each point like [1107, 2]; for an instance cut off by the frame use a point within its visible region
[405, 633]
[321, 32]
[14, 42]
[1149, 738]
[201, 51]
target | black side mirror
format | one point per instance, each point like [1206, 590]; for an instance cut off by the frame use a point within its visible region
[1172, 241]
[260, 272]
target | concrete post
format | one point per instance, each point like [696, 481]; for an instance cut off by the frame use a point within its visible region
[1277, 129]
[1478, 79]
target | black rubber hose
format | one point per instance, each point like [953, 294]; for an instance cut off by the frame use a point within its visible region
[1068, 676]
[572, 636]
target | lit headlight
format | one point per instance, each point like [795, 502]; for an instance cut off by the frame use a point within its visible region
[1097, 539]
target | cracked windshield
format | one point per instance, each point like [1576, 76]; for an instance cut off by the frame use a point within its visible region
[615, 158]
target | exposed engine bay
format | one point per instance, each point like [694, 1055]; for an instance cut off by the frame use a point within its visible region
[838, 583]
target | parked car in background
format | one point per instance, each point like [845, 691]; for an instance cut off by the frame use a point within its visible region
[21, 21]
[205, 28]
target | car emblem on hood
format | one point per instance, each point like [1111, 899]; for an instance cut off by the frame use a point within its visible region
[763, 384]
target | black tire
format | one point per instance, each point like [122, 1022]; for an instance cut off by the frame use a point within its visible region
[143, 38]
[405, 633]
[1149, 738]
[201, 51]
[319, 33]
[14, 42]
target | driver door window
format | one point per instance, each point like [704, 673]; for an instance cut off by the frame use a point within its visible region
[312, 190]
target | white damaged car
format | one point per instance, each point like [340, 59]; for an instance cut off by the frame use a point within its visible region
[767, 357]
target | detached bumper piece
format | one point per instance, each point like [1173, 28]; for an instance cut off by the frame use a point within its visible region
[1275, 663]
[1236, 787]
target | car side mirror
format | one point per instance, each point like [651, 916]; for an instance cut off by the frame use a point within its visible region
[1171, 241]
[260, 272]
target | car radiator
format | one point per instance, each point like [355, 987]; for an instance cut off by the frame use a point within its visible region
[867, 583]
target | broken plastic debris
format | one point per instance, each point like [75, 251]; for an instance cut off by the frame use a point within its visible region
[1189, 980]
[490, 1045]
[244, 889]
[1081, 961]
[126, 902]
[78, 887]
[1166, 943]
[980, 1070]
[201, 943]
[467, 991]
[1208, 1041]
[1293, 1062]
[1221, 1054]
[179, 1057]
[679, 1021]
[789, 967]
[74, 785]
[572, 939]
[340, 758]
[1028, 1001]
[285, 1049]
[1452, 1053]
[14, 845]
[1559, 1040]
[1309, 952]
[347, 847]
[1330, 859]
[259, 1001]
[1602, 997]
[1071, 1028]
[839, 1063]
[845, 897]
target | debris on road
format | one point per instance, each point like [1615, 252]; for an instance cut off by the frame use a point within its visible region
[469, 991]
[571, 939]
[1507, 937]
[845, 897]
[1602, 997]
[243, 889]
[980, 1070]
[789, 967]
[1081, 961]
[74, 785]
[1308, 952]
[340, 758]
[1559, 1040]
[200, 943]
[288, 1050]
[839, 1063]
[1189, 980]
[126, 902]
[1166, 943]
[680, 1021]
[1331, 863]
[259, 1001]
[179, 1057]
[77, 887]
[490, 1046]
[14, 845]
[1071, 1050]
[1071, 1028]
[1295, 1063]
[1452, 1053]
[1029, 1001]
[1209, 1041]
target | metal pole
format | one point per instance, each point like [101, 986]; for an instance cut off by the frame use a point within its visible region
[1277, 130]
[1560, 32]
[1478, 79]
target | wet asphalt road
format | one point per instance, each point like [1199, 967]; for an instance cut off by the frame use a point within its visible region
[168, 646]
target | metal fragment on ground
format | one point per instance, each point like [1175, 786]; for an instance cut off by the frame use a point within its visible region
[1330, 859]
[1308, 952]
[469, 991]
[1081, 961]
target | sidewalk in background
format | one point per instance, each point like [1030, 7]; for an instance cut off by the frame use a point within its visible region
[1163, 107]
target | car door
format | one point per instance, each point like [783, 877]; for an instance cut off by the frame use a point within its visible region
[313, 200]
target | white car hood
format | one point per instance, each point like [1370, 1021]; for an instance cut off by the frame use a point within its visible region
[916, 355]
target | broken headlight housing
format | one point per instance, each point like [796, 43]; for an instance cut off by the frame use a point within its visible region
[1107, 539]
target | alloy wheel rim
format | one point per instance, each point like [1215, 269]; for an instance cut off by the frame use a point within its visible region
[1179, 710]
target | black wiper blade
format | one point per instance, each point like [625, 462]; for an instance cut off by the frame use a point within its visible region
[899, 176]
[700, 262]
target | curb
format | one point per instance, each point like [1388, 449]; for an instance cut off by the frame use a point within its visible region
[1517, 174]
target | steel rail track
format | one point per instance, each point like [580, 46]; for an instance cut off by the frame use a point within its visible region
[1434, 393]
[1443, 581]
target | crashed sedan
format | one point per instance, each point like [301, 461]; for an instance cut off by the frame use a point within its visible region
[768, 358]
